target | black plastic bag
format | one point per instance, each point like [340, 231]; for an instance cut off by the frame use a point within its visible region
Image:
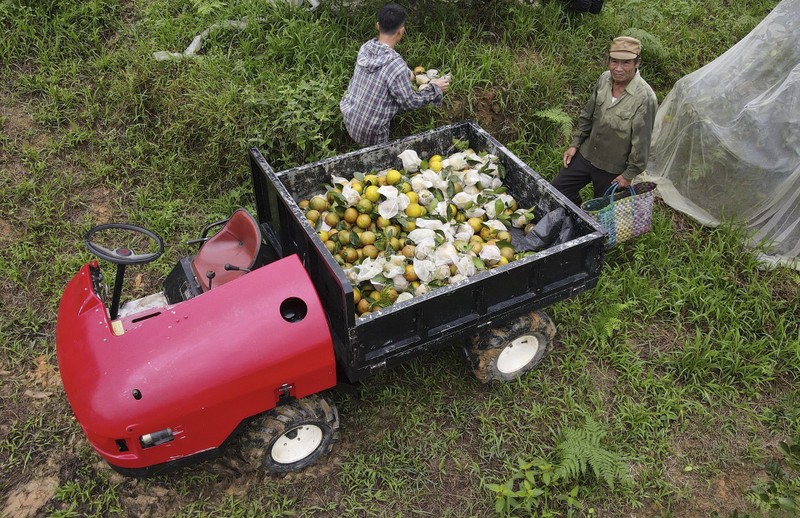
[553, 229]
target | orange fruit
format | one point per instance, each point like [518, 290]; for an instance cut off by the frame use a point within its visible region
[414, 210]
[393, 177]
[363, 220]
[350, 214]
[319, 203]
[332, 219]
[372, 194]
[349, 255]
[312, 215]
[370, 251]
[475, 223]
[368, 237]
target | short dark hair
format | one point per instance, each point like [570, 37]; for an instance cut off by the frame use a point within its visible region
[390, 18]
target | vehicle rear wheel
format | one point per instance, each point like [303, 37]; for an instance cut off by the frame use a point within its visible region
[507, 352]
[291, 436]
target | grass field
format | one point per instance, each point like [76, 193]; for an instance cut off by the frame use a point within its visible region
[671, 384]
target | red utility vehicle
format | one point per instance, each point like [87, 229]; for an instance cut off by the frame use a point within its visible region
[247, 337]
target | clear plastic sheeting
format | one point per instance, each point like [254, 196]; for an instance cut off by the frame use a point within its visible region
[726, 142]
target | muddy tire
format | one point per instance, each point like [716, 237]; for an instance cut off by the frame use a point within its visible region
[507, 352]
[291, 436]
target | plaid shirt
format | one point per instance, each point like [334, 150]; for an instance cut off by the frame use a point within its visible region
[379, 88]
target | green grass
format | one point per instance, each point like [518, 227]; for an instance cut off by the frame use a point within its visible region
[681, 363]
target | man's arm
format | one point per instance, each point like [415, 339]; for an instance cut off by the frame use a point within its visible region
[642, 131]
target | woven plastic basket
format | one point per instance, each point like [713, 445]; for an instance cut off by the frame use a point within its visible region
[626, 214]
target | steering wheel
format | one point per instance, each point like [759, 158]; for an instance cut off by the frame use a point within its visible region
[123, 255]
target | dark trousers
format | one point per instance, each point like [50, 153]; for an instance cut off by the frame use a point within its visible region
[593, 6]
[571, 179]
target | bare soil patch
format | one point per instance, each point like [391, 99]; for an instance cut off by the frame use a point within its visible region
[488, 113]
[26, 501]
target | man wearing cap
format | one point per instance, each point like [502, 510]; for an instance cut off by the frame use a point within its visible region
[612, 140]
[381, 82]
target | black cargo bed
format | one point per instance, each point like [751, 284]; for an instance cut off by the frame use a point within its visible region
[391, 335]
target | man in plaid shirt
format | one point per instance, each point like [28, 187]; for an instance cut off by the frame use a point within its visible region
[381, 83]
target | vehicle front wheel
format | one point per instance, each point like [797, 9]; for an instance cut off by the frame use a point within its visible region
[507, 352]
[292, 436]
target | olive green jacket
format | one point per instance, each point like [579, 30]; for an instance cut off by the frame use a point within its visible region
[616, 137]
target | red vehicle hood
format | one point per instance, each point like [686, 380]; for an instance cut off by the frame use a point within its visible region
[198, 367]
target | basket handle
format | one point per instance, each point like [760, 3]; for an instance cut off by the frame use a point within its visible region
[612, 190]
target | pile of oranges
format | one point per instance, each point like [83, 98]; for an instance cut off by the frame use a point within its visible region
[401, 232]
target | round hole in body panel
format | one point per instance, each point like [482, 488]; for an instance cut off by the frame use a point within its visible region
[293, 309]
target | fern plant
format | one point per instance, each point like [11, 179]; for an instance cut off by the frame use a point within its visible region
[652, 47]
[608, 320]
[560, 118]
[782, 491]
[540, 486]
[580, 450]
[205, 7]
